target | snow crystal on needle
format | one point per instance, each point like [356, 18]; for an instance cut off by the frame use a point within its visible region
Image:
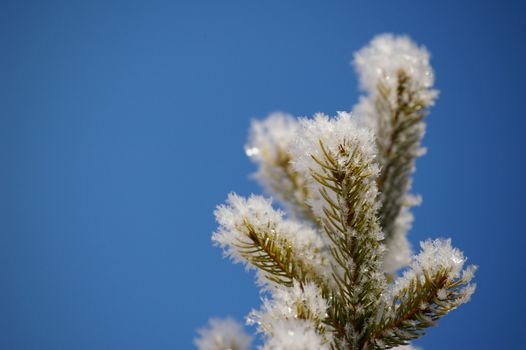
[386, 55]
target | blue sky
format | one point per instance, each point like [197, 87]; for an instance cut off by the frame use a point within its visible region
[123, 125]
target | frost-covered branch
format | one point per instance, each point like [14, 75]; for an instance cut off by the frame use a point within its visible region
[434, 284]
[251, 231]
[269, 147]
[339, 157]
[293, 316]
[398, 80]
[328, 270]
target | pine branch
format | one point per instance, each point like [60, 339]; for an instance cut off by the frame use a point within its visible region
[433, 286]
[270, 252]
[269, 147]
[398, 81]
[426, 299]
[327, 279]
[251, 231]
[350, 223]
[398, 145]
[280, 178]
[275, 256]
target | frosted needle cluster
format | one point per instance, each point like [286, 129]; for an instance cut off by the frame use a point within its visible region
[336, 269]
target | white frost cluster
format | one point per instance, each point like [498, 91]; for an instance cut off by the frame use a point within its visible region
[293, 334]
[380, 62]
[386, 55]
[333, 133]
[233, 216]
[223, 334]
[269, 147]
[289, 303]
[257, 211]
[439, 255]
[267, 136]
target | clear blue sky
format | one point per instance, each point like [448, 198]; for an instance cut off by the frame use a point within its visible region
[123, 125]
